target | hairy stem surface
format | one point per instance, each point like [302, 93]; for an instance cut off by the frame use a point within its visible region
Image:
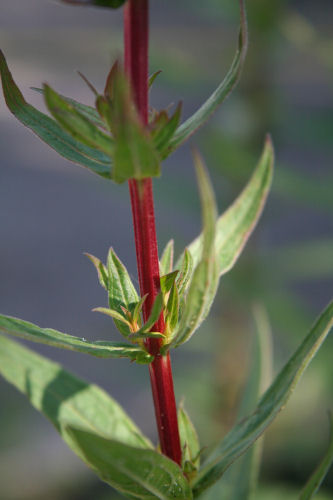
[136, 41]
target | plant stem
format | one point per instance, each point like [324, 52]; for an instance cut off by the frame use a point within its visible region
[136, 41]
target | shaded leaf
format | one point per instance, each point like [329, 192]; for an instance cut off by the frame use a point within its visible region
[101, 349]
[172, 311]
[134, 153]
[65, 399]
[154, 315]
[188, 438]
[121, 290]
[137, 473]
[204, 281]
[166, 262]
[185, 272]
[48, 130]
[167, 281]
[164, 134]
[314, 482]
[246, 432]
[112, 4]
[153, 77]
[76, 123]
[186, 129]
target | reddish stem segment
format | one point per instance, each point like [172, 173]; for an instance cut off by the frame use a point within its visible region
[141, 192]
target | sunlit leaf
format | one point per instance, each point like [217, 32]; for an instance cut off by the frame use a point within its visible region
[247, 431]
[137, 473]
[121, 290]
[166, 261]
[186, 129]
[154, 314]
[48, 130]
[101, 270]
[64, 399]
[314, 482]
[102, 349]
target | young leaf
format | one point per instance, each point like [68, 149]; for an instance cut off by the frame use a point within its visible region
[234, 226]
[48, 130]
[101, 270]
[88, 111]
[167, 281]
[166, 262]
[134, 153]
[154, 315]
[64, 399]
[314, 482]
[185, 272]
[186, 129]
[121, 290]
[111, 312]
[204, 281]
[137, 473]
[101, 349]
[76, 123]
[153, 77]
[163, 136]
[172, 311]
[246, 432]
[188, 438]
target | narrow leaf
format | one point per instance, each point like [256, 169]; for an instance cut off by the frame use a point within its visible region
[101, 270]
[154, 314]
[166, 262]
[137, 473]
[76, 123]
[167, 281]
[48, 130]
[188, 438]
[153, 77]
[172, 311]
[165, 133]
[122, 292]
[64, 399]
[185, 272]
[111, 312]
[314, 482]
[101, 349]
[204, 282]
[138, 308]
[234, 226]
[112, 4]
[246, 432]
[134, 152]
[186, 129]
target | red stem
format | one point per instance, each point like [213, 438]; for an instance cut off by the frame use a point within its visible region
[136, 40]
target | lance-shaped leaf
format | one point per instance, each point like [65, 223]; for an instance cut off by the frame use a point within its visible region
[165, 132]
[137, 473]
[188, 438]
[240, 480]
[101, 349]
[234, 226]
[186, 129]
[101, 271]
[185, 272]
[88, 111]
[65, 399]
[204, 281]
[166, 261]
[122, 293]
[135, 156]
[76, 123]
[246, 432]
[315, 480]
[153, 317]
[48, 130]
[111, 4]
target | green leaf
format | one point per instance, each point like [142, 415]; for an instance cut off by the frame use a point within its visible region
[186, 129]
[137, 473]
[172, 311]
[48, 130]
[246, 432]
[101, 349]
[167, 281]
[185, 272]
[188, 438]
[153, 77]
[111, 312]
[121, 290]
[76, 123]
[64, 399]
[234, 226]
[154, 315]
[134, 153]
[111, 4]
[315, 480]
[166, 261]
[88, 111]
[240, 480]
[204, 281]
[165, 133]
[101, 270]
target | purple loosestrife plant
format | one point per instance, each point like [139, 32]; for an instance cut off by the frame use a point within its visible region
[123, 140]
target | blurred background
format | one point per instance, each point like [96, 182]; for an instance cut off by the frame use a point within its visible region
[51, 211]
